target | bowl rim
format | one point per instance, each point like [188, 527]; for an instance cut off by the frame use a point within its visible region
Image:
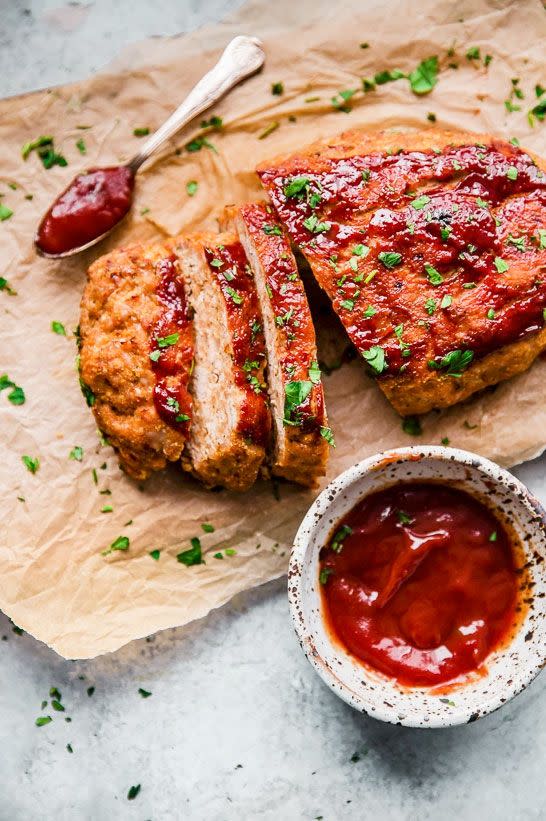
[320, 508]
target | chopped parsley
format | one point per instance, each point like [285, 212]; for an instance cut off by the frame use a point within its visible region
[387, 76]
[434, 276]
[314, 373]
[80, 145]
[277, 89]
[446, 301]
[268, 130]
[347, 304]
[511, 107]
[236, 297]
[5, 212]
[76, 453]
[214, 122]
[493, 536]
[491, 314]
[167, 341]
[370, 311]
[361, 250]
[141, 132]
[297, 187]
[473, 53]
[412, 426]
[328, 435]
[420, 202]
[341, 100]
[58, 328]
[41, 721]
[31, 463]
[454, 362]
[272, 230]
[155, 554]
[390, 259]
[191, 187]
[16, 395]
[155, 355]
[512, 173]
[518, 242]
[193, 555]
[501, 265]
[198, 143]
[430, 306]
[423, 79]
[206, 527]
[403, 517]
[121, 543]
[295, 394]
[314, 225]
[337, 540]
[144, 693]
[133, 792]
[542, 238]
[325, 574]
[45, 149]
[4, 284]
[375, 357]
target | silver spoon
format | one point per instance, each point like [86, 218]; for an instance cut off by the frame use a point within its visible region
[242, 57]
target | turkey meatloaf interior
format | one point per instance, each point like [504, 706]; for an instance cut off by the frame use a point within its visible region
[300, 428]
[231, 421]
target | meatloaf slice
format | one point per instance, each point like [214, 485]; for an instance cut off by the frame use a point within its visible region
[136, 355]
[431, 246]
[300, 446]
[231, 421]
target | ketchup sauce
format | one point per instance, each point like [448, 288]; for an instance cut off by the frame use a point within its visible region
[93, 203]
[420, 582]
[172, 349]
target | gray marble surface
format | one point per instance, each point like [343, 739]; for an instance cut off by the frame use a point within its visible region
[238, 727]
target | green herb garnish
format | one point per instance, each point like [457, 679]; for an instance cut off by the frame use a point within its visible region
[31, 463]
[191, 187]
[454, 362]
[390, 259]
[375, 357]
[337, 540]
[423, 79]
[58, 328]
[76, 453]
[193, 555]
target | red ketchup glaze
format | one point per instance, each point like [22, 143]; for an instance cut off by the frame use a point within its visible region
[479, 199]
[93, 203]
[229, 265]
[295, 331]
[173, 365]
[425, 585]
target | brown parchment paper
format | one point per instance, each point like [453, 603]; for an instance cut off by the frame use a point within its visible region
[54, 582]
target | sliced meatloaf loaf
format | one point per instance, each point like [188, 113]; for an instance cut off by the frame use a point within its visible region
[301, 433]
[231, 421]
[136, 355]
[431, 246]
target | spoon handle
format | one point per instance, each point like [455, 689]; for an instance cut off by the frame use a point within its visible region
[242, 57]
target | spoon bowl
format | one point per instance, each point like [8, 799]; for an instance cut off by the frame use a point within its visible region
[96, 201]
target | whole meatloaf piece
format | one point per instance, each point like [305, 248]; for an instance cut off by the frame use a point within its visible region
[431, 246]
[301, 432]
[136, 355]
[231, 421]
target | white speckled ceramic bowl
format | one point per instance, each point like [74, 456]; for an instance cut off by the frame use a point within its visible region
[509, 669]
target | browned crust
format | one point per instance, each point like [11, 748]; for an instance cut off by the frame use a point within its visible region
[423, 392]
[118, 310]
[302, 456]
[409, 396]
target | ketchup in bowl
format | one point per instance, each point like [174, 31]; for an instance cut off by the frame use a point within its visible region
[420, 581]
[93, 203]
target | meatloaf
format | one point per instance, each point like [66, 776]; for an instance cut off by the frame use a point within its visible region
[231, 422]
[431, 246]
[301, 434]
[136, 355]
